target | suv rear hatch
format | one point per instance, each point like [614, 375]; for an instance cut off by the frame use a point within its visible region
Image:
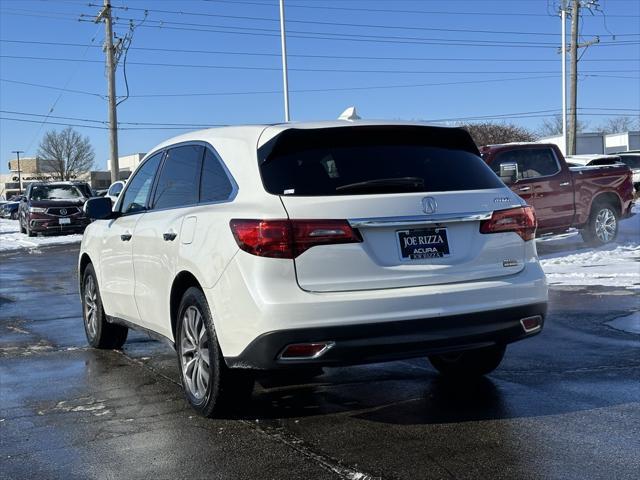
[414, 195]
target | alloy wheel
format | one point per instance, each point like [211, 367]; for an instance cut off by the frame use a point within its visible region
[194, 353]
[90, 306]
[605, 225]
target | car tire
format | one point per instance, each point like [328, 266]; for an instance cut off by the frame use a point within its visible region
[209, 385]
[602, 226]
[27, 229]
[13, 216]
[100, 333]
[469, 363]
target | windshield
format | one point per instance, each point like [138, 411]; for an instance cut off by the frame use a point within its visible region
[632, 161]
[55, 192]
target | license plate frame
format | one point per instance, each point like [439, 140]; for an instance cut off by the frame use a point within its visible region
[64, 221]
[423, 243]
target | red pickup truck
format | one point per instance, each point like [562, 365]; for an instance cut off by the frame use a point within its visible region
[592, 199]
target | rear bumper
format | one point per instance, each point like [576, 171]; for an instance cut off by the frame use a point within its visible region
[376, 342]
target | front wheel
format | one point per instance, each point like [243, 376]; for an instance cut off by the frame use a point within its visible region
[602, 226]
[209, 384]
[469, 363]
[100, 333]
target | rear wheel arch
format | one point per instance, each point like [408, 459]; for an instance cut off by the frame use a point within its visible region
[606, 198]
[181, 283]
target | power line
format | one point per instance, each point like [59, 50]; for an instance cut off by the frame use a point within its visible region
[338, 57]
[311, 70]
[341, 24]
[418, 12]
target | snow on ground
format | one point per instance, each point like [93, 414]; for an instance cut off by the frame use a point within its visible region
[568, 261]
[12, 239]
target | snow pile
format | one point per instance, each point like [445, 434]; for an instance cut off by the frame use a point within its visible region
[12, 239]
[614, 265]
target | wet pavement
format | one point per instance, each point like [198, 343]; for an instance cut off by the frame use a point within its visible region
[565, 404]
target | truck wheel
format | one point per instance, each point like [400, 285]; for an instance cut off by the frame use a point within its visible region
[100, 333]
[469, 363]
[209, 385]
[602, 226]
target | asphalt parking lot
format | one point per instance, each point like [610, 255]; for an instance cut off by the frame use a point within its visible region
[565, 404]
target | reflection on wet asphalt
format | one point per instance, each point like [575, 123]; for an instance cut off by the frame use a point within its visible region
[565, 404]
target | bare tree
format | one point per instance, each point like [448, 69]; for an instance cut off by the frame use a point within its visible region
[488, 133]
[66, 154]
[551, 127]
[620, 124]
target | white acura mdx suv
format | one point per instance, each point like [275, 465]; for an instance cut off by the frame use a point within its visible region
[314, 244]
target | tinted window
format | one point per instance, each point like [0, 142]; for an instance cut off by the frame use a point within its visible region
[532, 162]
[178, 183]
[137, 193]
[632, 161]
[362, 160]
[214, 184]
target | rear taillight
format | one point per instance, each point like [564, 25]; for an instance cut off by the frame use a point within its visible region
[521, 220]
[289, 238]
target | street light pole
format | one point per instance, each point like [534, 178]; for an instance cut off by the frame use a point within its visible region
[563, 16]
[18, 152]
[285, 75]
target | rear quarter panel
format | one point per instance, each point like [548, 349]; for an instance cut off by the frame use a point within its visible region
[592, 182]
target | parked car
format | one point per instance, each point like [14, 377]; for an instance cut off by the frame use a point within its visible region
[115, 189]
[590, 198]
[632, 160]
[309, 245]
[52, 207]
[9, 210]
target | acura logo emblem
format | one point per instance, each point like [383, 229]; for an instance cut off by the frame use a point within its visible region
[63, 211]
[429, 205]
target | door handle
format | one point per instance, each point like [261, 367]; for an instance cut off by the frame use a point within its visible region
[126, 236]
[169, 236]
[524, 189]
[564, 184]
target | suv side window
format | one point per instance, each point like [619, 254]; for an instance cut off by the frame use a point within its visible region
[178, 182]
[214, 183]
[137, 193]
[532, 162]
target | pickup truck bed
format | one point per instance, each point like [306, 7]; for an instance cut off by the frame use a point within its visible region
[563, 196]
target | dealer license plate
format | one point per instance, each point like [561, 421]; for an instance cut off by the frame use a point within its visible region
[423, 243]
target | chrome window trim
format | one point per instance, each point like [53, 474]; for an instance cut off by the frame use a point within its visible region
[407, 221]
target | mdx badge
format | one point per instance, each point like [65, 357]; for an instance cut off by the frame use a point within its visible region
[429, 205]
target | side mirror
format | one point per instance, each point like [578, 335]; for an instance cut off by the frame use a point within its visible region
[509, 173]
[98, 208]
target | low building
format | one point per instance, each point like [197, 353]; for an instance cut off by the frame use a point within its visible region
[597, 143]
[33, 169]
[622, 142]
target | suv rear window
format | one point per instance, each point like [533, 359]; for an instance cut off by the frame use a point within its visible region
[365, 160]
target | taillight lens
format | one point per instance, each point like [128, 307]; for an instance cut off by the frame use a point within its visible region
[289, 238]
[521, 220]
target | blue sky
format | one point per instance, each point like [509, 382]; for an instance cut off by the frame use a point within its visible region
[435, 60]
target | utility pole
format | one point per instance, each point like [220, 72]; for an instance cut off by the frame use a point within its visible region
[573, 75]
[573, 124]
[18, 152]
[285, 74]
[110, 50]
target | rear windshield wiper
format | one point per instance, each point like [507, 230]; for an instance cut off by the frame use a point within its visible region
[385, 184]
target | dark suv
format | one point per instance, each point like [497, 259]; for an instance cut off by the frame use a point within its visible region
[53, 207]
